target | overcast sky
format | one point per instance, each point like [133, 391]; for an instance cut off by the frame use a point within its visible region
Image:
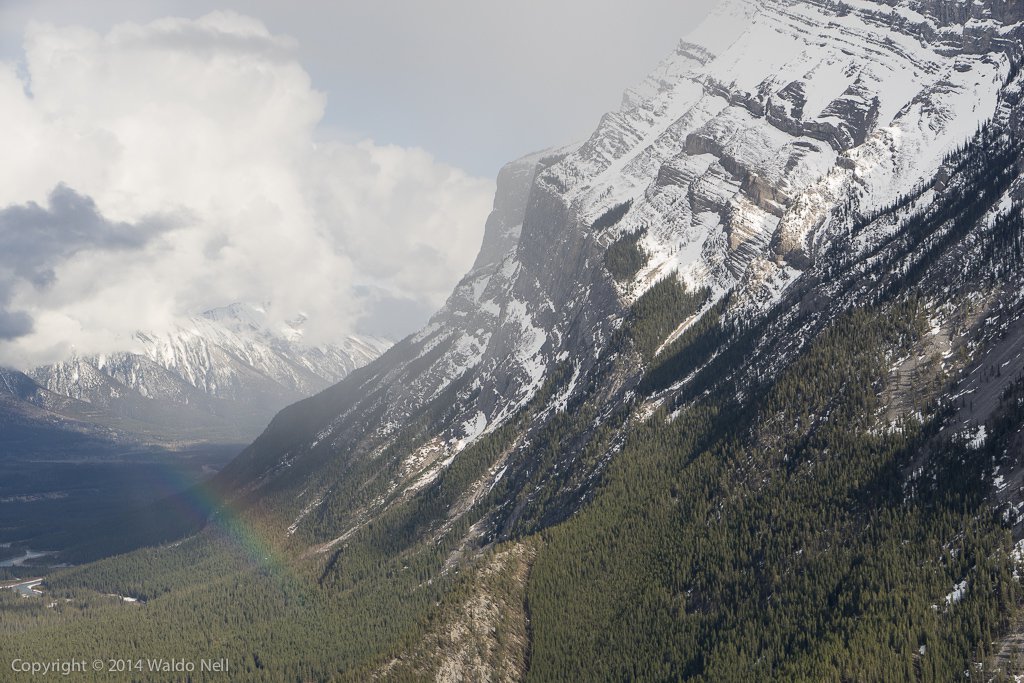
[335, 158]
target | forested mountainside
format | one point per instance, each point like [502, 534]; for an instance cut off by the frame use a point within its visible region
[215, 377]
[734, 391]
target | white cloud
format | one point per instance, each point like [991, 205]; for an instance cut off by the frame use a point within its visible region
[210, 126]
[476, 83]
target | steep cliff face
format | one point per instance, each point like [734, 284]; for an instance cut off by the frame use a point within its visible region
[729, 162]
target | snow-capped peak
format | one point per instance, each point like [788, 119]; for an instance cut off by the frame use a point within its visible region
[236, 354]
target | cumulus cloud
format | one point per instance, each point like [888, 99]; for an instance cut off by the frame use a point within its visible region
[211, 125]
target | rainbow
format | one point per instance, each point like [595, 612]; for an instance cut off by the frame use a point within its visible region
[199, 505]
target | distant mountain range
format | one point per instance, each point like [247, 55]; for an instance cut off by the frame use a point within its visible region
[216, 377]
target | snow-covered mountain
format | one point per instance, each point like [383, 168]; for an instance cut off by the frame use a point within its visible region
[732, 162]
[739, 145]
[829, 188]
[219, 375]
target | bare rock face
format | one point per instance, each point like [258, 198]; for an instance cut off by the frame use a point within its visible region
[953, 12]
[847, 120]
